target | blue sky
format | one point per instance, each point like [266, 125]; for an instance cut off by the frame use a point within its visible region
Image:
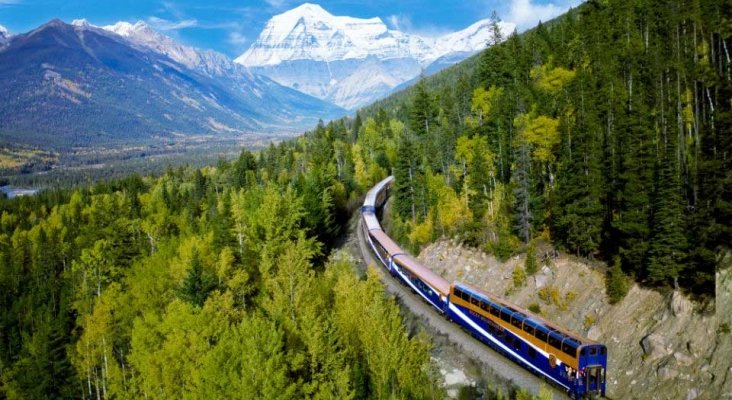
[230, 26]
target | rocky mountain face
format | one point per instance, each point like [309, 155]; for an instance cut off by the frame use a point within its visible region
[76, 85]
[350, 61]
[660, 346]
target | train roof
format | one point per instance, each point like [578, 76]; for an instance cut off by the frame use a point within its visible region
[371, 195]
[389, 245]
[371, 221]
[436, 281]
[529, 316]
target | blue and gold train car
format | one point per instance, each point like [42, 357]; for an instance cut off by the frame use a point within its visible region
[566, 359]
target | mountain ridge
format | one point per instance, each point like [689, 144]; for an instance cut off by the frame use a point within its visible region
[72, 85]
[311, 50]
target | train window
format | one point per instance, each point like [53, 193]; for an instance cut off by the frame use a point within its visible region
[583, 352]
[483, 306]
[517, 321]
[466, 297]
[555, 342]
[569, 349]
[603, 350]
[506, 315]
[458, 293]
[593, 351]
[517, 344]
[495, 311]
[529, 329]
[474, 301]
[541, 334]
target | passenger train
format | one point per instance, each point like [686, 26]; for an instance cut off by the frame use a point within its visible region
[576, 364]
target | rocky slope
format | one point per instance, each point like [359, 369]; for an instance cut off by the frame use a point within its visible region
[350, 61]
[660, 346]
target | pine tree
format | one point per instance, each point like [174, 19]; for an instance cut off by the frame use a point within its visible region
[407, 175]
[631, 220]
[521, 192]
[423, 112]
[616, 285]
[668, 243]
[197, 284]
[579, 215]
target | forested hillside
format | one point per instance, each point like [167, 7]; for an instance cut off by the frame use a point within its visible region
[606, 131]
[197, 284]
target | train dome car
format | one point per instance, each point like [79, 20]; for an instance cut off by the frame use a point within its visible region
[432, 287]
[385, 248]
[559, 356]
[575, 363]
[376, 197]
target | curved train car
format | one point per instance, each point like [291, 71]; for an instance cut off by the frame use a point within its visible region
[576, 364]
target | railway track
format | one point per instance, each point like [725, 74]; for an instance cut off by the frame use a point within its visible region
[500, 366]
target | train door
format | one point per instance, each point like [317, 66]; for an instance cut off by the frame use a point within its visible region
[594, 379]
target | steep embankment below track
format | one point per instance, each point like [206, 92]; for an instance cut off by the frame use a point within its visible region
[661, 346]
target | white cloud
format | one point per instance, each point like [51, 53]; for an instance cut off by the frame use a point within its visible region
[167, 25]
[237, 39]
[9, 2]
[277, 3]
[399, 22]
[526, 14]
[404, 24]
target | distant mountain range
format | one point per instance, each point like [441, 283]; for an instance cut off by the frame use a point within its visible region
[352, 62]
[73, 85]
[69, 85]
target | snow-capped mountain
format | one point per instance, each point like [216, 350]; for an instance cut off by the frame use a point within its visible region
[4, 35]
[352, 61]
[308, 32]
[206, 61]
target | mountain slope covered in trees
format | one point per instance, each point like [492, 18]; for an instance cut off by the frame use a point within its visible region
[606, 131]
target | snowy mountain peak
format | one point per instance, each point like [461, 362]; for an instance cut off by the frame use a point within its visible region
[309, 32]
[82, 23]
[4, 35]
[353, 61]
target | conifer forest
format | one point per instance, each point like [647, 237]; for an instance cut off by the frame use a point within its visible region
[606, 132]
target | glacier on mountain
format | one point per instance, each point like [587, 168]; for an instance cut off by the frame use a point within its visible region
[351, 61]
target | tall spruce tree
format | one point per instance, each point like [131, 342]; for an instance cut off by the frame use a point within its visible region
[668, 244]
[197, 284]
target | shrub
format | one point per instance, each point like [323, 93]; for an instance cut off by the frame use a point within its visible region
[535, 308]
[616, 284]
[519, 277]
[589, 321]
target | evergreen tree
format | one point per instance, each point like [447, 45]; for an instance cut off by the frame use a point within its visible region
[668, 243]
[197, 284]
[631, 220]
[616, 285]
[579, 219]
[423, 112]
